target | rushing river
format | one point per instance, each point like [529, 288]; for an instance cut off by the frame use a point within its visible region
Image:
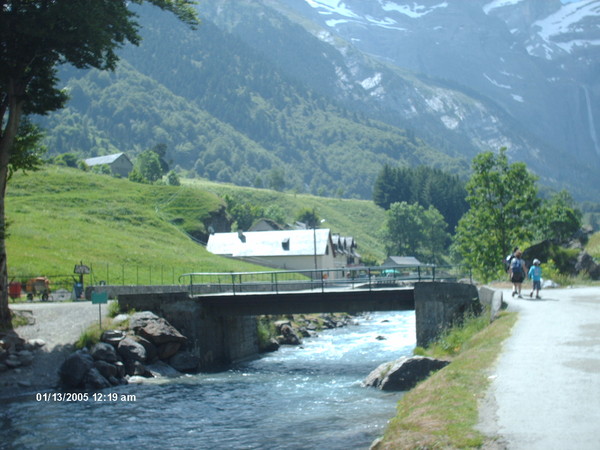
[304, 397]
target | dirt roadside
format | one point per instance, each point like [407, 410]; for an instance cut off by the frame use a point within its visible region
[59, 325]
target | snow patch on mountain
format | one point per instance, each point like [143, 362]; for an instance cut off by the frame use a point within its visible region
[499, 4]
[564, 26]
[340, 12]
[414, 10]
[332, 7]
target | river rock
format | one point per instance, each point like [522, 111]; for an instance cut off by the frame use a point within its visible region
[404, 373]
[93, 380]
[151, 351]
[105, 352]
[141, 319]
[288, 336]
[185, 362]
[75, 367]
[162, 369]
[271, 346]
[34, 344]
[130, 350]
[165, 351]
[160, 332]
[136, 368]
[112, 337]
[13, 362]
[106, 369]
[26, 357]
[121, 372]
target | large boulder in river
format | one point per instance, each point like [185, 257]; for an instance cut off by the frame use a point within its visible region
[404, 373]
[141, 319]
[160, 332]
[131, 350]
[105, 352]
[288, 336]
[75, 367]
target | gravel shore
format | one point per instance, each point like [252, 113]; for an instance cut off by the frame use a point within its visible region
[59, 324]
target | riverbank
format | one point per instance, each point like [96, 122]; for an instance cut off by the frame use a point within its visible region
[300, 397]
[442, 411]
[59, 326]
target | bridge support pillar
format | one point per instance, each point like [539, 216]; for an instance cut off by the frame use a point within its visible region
[218, 340]
[438, 305]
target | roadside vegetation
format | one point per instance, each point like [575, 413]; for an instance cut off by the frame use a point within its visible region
[442, 411]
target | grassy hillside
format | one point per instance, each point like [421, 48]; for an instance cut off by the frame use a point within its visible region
[130, 233]
[59, 217]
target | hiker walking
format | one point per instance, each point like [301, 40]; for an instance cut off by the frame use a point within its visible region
[508, 260]
[535, 274]
[517, 273]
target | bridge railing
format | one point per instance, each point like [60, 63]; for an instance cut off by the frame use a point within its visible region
[203, 283]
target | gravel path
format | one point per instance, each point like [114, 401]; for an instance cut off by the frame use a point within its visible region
[546, 384]
[59, 325]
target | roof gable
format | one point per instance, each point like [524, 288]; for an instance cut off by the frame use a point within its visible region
[106, 159]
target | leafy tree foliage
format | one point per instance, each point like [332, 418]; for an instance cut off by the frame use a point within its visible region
[66, 159]
[243, 214]
[410, 229]
[309, 217]
[35, 37]
[147, 167]
[173, 179]
[27, 150]
[559, 218]
[423, 185]
[503, 206]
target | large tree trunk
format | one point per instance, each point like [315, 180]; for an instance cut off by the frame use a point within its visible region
[7, 139]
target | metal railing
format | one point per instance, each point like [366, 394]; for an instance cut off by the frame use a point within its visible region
[368, 278]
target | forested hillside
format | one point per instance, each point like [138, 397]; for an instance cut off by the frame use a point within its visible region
[226, 113]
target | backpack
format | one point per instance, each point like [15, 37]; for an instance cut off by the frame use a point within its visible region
[507, 262]
[516, 266]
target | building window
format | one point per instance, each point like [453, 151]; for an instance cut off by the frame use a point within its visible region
[285, 244]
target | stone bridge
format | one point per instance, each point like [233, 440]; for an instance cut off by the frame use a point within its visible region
[222, 328]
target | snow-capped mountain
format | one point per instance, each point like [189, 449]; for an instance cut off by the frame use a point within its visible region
[323, 93]
[530, 67]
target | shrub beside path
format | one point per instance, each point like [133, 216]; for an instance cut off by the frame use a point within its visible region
[546, 383]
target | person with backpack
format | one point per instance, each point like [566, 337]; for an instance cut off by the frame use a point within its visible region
[517, 273]
[509, 259]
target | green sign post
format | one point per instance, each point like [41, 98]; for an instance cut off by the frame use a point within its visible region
[98, 298]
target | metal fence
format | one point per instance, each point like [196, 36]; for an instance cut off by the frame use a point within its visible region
[65, 286]
[287, 280]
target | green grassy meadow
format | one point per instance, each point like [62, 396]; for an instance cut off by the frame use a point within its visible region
[131, 233]
[60, 217]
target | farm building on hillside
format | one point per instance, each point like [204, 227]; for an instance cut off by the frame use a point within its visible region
[280, 249]
[402, 261]
[119, 163]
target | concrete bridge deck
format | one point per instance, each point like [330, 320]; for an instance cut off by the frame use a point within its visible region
[311, 301]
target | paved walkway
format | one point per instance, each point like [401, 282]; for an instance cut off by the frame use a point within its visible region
[545, 392]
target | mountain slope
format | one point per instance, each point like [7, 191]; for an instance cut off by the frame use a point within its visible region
[533, 64]
[316, 96]
[227, 114]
